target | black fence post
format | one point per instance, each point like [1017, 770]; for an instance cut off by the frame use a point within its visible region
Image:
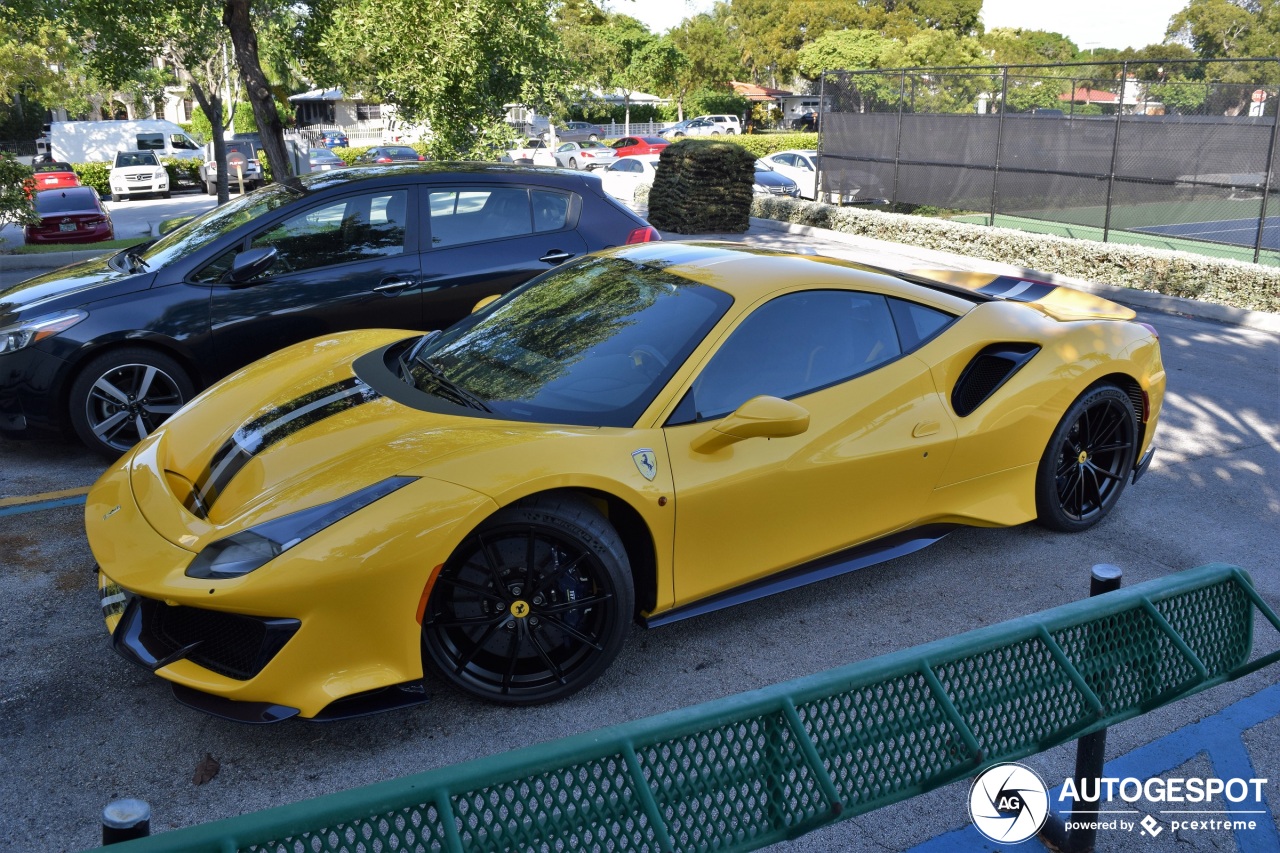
[995, 172]
[125, 820]
[1090, 750]
[1115, 152]
[1268, 176]
[897, 148]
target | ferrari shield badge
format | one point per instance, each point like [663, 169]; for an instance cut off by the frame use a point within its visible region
[646, 462]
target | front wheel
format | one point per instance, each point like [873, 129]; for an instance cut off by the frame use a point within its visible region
[122, 396]
[1088, 461]
[594, 137]
[533, 606]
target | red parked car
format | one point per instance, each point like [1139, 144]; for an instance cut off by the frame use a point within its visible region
[71, 215]
[629, 145]
[52, 175]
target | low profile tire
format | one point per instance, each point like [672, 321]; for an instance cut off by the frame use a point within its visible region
[115, 197]
[533, 606]
[1088, 461]
[166, 195]
[122, 396]
[573, 163]
[594, 137]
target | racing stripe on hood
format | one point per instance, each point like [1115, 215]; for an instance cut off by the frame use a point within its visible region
[269, 428]
[1018, 289]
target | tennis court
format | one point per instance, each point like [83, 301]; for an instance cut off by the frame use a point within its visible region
[1233, 232]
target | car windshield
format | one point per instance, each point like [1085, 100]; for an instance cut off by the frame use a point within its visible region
[589, 344]
[403, 152]
[136, 158]
[194, 235]
[53, 167]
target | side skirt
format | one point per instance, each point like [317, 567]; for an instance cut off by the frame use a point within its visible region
[842, 562]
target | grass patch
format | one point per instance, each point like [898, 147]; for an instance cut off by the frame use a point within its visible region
[51, 248]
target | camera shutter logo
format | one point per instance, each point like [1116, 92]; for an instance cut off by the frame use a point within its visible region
[1008, 803]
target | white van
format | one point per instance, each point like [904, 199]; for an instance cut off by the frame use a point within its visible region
[98, 141]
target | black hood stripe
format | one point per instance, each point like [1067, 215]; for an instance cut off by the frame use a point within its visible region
[269, 428]
[1018, 289]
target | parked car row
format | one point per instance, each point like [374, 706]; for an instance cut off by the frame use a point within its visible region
[627, 174]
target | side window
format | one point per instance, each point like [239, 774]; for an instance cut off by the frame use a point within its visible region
[352, 229]
[568, 146]
[550, 211]
[469, 216]
[182, 142]
[150, 141]
[917, 323]
[784, 159]
[794, 345]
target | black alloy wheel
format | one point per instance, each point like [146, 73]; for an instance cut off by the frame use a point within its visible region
[122, 396]
[1088, 461]
[533, 606]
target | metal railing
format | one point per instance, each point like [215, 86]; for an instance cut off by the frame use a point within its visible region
[762, 767]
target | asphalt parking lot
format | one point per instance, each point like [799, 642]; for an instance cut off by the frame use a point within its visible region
[80, 727]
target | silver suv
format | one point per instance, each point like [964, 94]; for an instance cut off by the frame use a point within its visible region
[728, 124]
[238, 150]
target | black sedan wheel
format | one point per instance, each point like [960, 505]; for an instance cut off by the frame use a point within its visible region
[533, 606]
[122, 396]
[1088, 461]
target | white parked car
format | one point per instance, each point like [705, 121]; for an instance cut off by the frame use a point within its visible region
[585, 155]
[137, 173]
[728, 124]
[801, 166]
[627, 174]
[534, 151]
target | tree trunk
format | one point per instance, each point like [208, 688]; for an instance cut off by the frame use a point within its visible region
[211, 106]
[235, 15]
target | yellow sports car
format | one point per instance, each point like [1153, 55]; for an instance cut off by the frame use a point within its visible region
[651, 432]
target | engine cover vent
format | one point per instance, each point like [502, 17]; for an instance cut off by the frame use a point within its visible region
[990, 368]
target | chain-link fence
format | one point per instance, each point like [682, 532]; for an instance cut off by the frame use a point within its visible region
[1167, 154]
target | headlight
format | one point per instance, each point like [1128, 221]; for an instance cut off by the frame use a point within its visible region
[251, 549]
[27, 332]
[160, 174]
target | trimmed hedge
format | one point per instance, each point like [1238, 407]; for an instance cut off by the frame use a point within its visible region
[702, 188]
[1225, 282]
[96, 175]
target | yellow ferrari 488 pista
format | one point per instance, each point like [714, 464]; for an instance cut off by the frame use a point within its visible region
[651, 432]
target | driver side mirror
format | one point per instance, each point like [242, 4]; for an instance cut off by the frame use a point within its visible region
[251, 264]
[759, 417]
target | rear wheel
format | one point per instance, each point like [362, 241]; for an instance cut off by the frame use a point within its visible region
[573, 163]
[122, 396]
[1088, 461]
[533, 606]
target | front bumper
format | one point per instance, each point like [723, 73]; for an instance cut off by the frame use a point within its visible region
[30, 383]
[324, 631]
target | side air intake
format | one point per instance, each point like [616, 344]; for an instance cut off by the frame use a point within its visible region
[988, 370]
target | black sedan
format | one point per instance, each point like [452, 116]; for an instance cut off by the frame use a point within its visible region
[109, 348]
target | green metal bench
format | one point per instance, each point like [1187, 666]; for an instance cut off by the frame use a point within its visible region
[761, 767]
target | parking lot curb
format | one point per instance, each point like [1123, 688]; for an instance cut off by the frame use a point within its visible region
[1260, 320]
[49, 260]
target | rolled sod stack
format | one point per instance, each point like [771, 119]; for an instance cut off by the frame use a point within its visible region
[702, 187]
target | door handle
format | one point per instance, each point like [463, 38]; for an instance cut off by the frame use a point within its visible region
[926, 428]
[391, 287]
[555, 256]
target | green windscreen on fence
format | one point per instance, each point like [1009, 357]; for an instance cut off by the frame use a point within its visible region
[761, 767]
